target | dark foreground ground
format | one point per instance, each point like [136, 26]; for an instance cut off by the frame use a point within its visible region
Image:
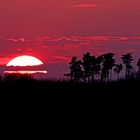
[30, 87]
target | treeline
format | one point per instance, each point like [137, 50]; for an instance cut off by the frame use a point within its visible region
[91, 68]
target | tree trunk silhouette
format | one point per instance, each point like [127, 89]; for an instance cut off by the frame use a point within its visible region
[110, 75]
[118, 76]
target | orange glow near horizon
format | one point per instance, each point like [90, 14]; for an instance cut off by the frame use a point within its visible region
[24, 60]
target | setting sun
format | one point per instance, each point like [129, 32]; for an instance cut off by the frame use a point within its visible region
[25, 60]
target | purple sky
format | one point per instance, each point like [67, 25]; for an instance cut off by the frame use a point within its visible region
[56, 30]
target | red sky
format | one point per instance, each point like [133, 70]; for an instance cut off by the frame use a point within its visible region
[56, 30]
[69, 17]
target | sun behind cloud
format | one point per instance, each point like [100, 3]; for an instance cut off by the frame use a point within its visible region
[25, 60]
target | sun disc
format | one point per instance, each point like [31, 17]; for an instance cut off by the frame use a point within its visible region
[25, 60]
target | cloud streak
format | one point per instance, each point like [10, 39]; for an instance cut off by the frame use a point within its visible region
[61, 49]
[85, 5]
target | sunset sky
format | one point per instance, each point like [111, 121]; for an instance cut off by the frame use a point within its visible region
[56, 30]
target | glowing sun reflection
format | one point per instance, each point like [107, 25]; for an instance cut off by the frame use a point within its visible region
[25, 72]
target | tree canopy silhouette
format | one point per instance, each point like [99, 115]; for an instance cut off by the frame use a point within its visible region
[108, 64]
[127, 60]
[75, 69]
[88, 63]
[100, 68]
[138, 64]
[118, 68]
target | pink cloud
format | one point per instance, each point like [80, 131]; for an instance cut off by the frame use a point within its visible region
[136, 37]
[85, 5]
[61, 49]
[79, 39]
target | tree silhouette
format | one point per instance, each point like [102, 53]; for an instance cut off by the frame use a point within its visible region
[108, 64]
[98, 66]
[88, 63]
[118, 68]
[138, 64]
[75, 69]
[92, 68]
[127, 60]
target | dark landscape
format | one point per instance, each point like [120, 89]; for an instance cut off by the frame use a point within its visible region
[90, 76]
[30, 87]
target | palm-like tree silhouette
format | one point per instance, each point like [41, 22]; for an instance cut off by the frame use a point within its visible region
[88, 63]
[92, 68]
[127, 60]
[87, 66]
[138, 64]
[75, 69]
[108, 64]
[98, 66]
[118, 68]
